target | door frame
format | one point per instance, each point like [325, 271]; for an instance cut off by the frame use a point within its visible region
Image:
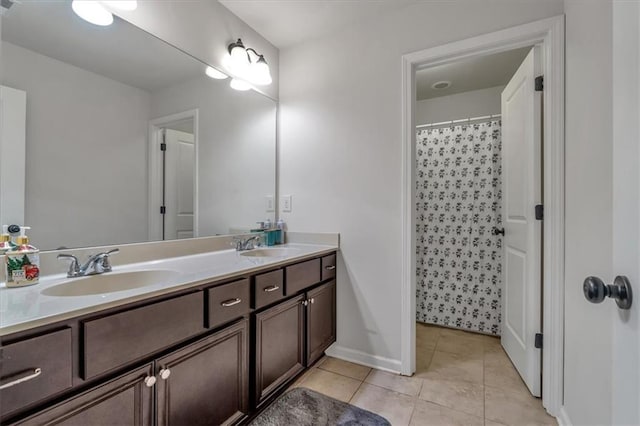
[549, 34]
[155, 159]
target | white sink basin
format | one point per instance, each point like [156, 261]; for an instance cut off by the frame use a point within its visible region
[270, 252]
[109, 282]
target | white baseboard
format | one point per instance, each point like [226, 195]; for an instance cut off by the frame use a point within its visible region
[563, 418]
[362, 358]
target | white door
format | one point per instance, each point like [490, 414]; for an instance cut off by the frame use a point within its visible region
[179, 185]
[13, 125]
[625, 395]
[522, 191]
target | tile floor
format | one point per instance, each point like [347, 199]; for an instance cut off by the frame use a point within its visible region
[461, 379]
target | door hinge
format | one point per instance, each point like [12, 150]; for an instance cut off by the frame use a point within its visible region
[538, 341]
[539, 83]
[163, 146]
[539, 212]
[163, 210]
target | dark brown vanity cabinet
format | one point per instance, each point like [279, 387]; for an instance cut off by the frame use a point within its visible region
[321, 320]
[208, 355]
[125, 400]
[291, 336]
[206, 383]
[279, 346]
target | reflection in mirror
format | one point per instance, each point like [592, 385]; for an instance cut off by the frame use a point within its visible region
[101, 103]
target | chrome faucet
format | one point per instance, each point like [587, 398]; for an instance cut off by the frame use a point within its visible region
[97, 264]
[250, 243]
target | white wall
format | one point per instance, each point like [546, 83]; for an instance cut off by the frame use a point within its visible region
[90, 170]
[340, 150]
[626, 201]
[236, 150]
[204, 29]
[475, 103]
[588, 206]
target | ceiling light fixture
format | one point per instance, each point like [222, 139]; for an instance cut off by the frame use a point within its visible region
[238, 84]
[214, 73]
[248, 64]
[440, 85]
[93, 12]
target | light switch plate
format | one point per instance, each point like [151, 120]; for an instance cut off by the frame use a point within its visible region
[270, 203]
[285, 202]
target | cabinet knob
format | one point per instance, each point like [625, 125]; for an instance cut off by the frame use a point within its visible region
[305, 302]
[165, 373]
[313, 300]
[149, 381]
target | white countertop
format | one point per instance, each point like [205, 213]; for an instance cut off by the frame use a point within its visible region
[27, 307]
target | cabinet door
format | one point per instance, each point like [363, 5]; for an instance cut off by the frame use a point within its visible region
[125, 400]
[321, 320]
[205, 383]
[279, 346]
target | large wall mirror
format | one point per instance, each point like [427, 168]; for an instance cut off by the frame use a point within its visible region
[101, 102]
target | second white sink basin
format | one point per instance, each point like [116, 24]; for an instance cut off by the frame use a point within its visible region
[109, 282]
[270, 252]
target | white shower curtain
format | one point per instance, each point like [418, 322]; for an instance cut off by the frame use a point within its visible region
[458, 205]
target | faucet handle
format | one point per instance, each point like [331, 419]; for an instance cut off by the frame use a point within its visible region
[74, 266]
[104, 259]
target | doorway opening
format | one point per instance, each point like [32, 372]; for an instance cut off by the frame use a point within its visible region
[173, 171]
[469, 174]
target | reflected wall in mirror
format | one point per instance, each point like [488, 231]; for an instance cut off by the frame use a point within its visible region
[100, 102]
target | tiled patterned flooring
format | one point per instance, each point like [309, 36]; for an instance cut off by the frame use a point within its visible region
[461, 379]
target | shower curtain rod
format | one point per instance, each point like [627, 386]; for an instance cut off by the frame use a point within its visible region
[464, 120]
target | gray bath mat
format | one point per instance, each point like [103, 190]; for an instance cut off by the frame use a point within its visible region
[304, 407]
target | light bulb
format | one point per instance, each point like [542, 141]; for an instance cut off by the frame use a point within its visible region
[238, 84]
[214, 73]
[239, 60]
[92, 11]
[122, 4]
[260, 73]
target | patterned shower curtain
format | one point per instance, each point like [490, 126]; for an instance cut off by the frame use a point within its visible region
[458, 204]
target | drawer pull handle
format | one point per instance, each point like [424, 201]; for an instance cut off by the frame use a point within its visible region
[149, 381]
[271, 288]
[330, 268]
[231, 302]
[36, 373]
[165, 373]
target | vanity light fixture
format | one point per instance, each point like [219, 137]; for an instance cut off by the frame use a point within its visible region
[94, 11]
[214, 73]
[238, 84]
[248, 64]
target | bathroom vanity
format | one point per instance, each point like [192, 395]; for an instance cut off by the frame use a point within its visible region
[212, 346]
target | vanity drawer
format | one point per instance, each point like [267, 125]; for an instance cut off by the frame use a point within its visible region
[268, 288]
[328, 267]
[38, 367]
[117, 339]
[228, 302]
[301, 276]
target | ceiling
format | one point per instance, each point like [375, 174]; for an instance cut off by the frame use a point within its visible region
[288, 22]
[120, 51]
[471, 74]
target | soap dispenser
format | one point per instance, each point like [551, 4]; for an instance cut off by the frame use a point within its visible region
[22, 262]
[5, 240]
